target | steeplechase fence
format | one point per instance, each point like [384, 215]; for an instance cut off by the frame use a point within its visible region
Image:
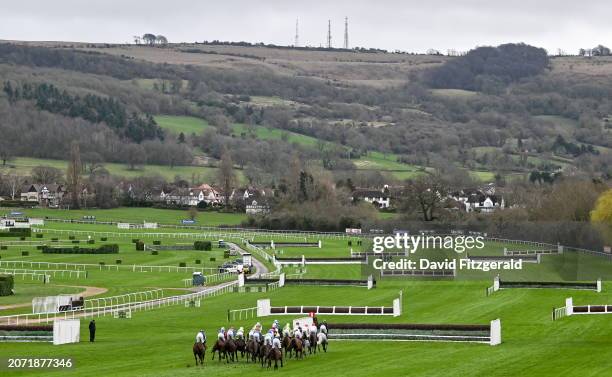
[265, 309]
[276, 244]
[259, 284]
[533, 258]
[522, 253]
[571, 309]
[383, 255]
[489, 334]
[500, 284]
[258, 251]
[418, 273]
[306, 261]
[369, 283]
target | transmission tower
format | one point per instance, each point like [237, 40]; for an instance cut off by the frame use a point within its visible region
[297, 35]
[346, 42]
[329, 39]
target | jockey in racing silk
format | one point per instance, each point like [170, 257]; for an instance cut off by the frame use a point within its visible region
[275, 324]
[230, 333]
[268, 338]
[276, 343]
[298, 333]
[201, 337]
[240, 333]
[287, 330]
[313, 328]
[323, 328]
[321, 338]
[221, 334]
[306, 331]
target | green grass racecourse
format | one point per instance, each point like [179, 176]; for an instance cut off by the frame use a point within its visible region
[162, 216]
[158, 342]
[532, 345]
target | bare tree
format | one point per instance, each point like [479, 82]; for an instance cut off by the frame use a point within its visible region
[6, 152]
[226, 175]
[135, 155]
[73, 174]
[13, 183]
[46, 174]
[426, 194]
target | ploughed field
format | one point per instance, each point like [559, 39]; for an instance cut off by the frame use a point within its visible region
[158, 342]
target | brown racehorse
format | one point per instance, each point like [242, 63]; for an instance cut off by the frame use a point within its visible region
[199, 349]
[276, 355]
[312, 343]
[218, 347]
[263, 353]
[297, 345]
[241, 346]
[231, 350]
[252, 349]
[286, 342]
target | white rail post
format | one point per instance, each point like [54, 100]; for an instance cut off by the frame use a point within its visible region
[495, 332]
[569, 306]
[263, 307]
[599, 285]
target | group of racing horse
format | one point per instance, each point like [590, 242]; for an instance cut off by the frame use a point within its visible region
[264, 350]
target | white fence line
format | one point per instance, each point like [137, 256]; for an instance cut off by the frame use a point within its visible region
[278, 233]
[108, 267]
[240, 314]
[125, 298]
[33, 276]
[55, 273]
[101, 311]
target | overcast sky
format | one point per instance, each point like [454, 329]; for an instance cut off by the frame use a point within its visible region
[405, 25]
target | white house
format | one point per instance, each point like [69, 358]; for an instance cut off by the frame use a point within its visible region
[379, 198]
[192, 196]
[256, 208]
[478, 200]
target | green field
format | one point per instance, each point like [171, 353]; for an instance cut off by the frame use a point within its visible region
[24, 165]
[158, 342]
[127, 214]
[193, 125]
[185, 124]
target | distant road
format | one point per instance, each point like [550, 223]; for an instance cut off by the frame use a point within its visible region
[260, 268]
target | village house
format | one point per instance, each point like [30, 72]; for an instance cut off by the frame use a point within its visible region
[46, 195]
[478, 200]
[380, 198]
[255, 208]
[192, 196]
[253, 200]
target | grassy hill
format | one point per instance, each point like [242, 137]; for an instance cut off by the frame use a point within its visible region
[24, 165]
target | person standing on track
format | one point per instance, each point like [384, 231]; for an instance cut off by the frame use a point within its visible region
[92, 330]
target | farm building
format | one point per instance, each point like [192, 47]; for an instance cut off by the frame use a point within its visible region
[46, 195]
